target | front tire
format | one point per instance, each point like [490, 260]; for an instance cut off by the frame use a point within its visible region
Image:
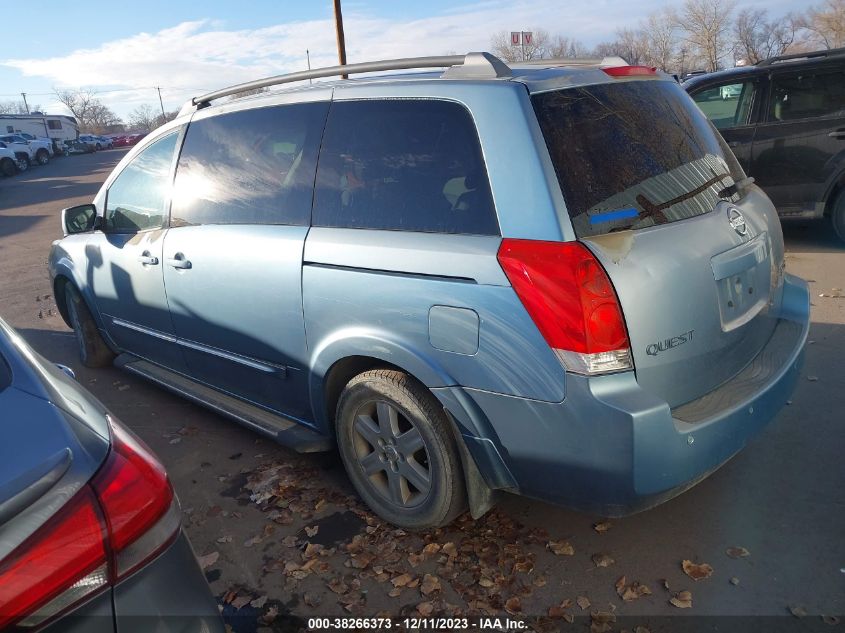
[93, 351]
[398, 449]
[42, 156]
[8, 167]
[22, 161]
[837, 215]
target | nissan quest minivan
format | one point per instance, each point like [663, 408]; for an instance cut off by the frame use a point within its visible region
[552, 280]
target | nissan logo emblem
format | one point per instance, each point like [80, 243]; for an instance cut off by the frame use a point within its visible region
[737, 222]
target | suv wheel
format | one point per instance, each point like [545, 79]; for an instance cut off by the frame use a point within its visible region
[93, 351]
[837, 215]
[397, 447]
[42, 156]
[8, 167]
[22, 161]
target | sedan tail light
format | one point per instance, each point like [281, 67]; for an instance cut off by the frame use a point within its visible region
[572, 302]
[126, 515]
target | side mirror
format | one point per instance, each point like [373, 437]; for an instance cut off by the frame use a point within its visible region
[79, 219]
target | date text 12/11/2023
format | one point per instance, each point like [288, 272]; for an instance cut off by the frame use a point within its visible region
[417, 623]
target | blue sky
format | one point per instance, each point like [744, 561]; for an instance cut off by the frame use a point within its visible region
[124, 49]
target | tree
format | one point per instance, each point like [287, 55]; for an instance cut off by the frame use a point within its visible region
[144, 117]
[17, 107]
[758, 38]
[562, 46]
[660, 35]
[90, 113]
[537, 49]
[826, 24]
[704, 27]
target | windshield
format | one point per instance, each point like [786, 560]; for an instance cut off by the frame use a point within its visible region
[632, 154]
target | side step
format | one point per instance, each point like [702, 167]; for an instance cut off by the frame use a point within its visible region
[283, 430]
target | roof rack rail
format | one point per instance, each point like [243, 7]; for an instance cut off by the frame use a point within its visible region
[469, 66]
[833, 52]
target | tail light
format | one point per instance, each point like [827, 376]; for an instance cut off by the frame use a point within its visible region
[571, 301]
[126, 515]
[630, 71]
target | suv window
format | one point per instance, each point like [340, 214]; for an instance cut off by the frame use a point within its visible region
[633, 154]
[250, 167]
[404, 165]
[727, 105]
[807, 95]
[137, 198]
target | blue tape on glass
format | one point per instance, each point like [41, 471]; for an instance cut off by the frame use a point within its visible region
[610, 216]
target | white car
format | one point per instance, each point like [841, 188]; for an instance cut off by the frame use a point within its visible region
[42, 141]
[23, 150]
[730, 92]
[10, 163]
[98, 142]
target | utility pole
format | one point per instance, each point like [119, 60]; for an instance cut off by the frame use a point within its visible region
[161, 103]
[341, 41]
[25, 104]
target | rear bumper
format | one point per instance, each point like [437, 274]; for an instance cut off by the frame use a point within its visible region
[614, 449]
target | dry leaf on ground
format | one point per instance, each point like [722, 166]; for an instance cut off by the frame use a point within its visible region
[798, 612]
[561, 548]
[695, 571]
[425, 608]
[513, 606]
[682, 600]
[583, 602]
[737, 552]
[312, 530]
[208, 560]
[602, 560]
[430, 584]
[402, 580]
[602, 526]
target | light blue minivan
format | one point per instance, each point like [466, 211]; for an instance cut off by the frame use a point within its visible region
[548, 279]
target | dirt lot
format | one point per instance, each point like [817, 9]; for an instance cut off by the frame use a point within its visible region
[283, 538]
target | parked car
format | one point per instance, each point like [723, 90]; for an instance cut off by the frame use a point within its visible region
[24, 152]
[106, 142]
[555, 281]
[92, 536]
[97, 142]
[46, 143]
[8, 161]
[785, 122]
[77, 147]
[39, 150]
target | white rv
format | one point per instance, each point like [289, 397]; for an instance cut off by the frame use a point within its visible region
[57, 127]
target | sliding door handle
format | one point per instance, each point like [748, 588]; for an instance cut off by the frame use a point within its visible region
[179, 261]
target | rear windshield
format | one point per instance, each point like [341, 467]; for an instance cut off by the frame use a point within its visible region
[632, 154]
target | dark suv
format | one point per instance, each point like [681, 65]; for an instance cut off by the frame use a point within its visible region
[784, 118]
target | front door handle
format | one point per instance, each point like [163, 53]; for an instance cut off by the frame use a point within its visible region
[838, 134]
[147, 259]
[179, 261]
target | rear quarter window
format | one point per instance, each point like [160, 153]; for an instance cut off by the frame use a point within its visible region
[403, 165]
[632, 154]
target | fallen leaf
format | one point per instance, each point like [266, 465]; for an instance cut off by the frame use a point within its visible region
[241, 601]
[208, 560]
[360, 561]
[449, 549]
[641, 629]
[697, 572]
[312, 530]
[682, 600]
[259, 602]
[338, 586]
[402, 580]
[583, 602]
[602, 560]
[224, 539]
[561, 548]
[600, 621]
[513, 606]
[485, 582]
[569, 618]
[602, 526]
[620, 585]
[431, 549]
[311, 599]
[832, 620]
[798, 612]
[270, 616]
[395, 592]
[425, 608]
[540, 581]
[734, 581]
[635, 590]
[430, 584]
[737, 552]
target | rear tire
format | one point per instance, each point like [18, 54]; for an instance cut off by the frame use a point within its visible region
[398, 449]
[837, 215]
[42, 156]
[8, 167]
[22, 162]
[93, 351]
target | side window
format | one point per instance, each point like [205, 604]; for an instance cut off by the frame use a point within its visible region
[807, 96]
[250, 167]
[727, 105]
[54, 125]
[404, 165]
[137, 199]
